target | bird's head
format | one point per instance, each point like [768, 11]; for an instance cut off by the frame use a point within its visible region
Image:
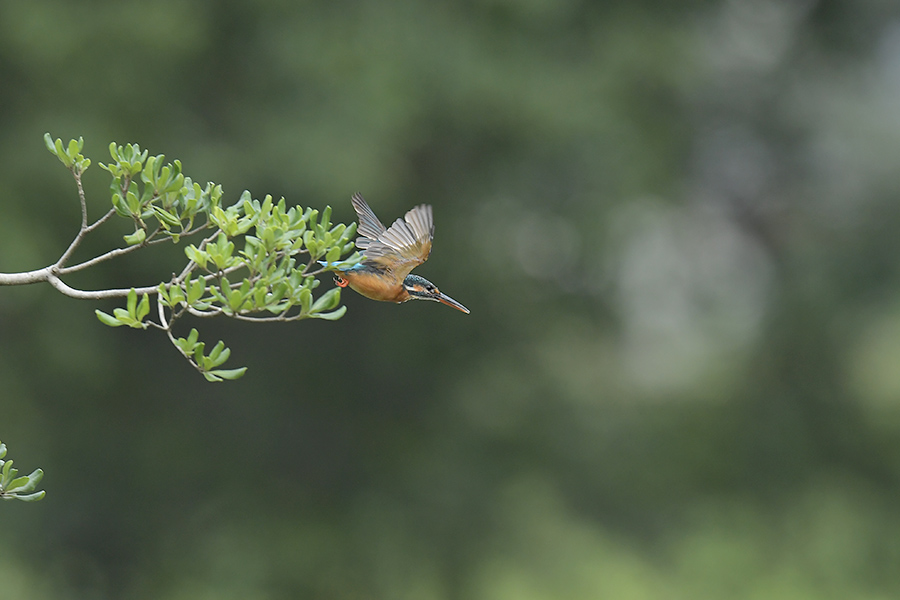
[420, 288]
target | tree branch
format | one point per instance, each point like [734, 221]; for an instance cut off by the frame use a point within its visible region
[269, 266]
[51, 275]
[61, 286]
[107, 256]
[201, 313]
[26, 277]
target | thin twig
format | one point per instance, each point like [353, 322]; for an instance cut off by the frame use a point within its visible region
[100, 221]
[81, 198]
[162, 318]
[167, 327]
[99, 259]
[112, 254]
[83, 229]
[203, 313]
[314, 273]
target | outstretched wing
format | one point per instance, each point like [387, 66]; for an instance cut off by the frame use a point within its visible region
[400, 248]
[369, 226]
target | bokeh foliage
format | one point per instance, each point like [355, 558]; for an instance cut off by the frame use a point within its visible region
[675, 225]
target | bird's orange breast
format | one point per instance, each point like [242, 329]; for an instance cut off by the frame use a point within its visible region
[375, 287]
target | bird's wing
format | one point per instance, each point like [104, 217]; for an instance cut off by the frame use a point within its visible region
[405, 245]
[369, 226]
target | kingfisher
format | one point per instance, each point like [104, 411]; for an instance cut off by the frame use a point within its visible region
[389, 254]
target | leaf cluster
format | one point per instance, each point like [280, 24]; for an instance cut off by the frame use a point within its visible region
[70, 155]
[259, 260]
[18, 488]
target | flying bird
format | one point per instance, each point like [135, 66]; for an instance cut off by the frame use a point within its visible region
[389, 254]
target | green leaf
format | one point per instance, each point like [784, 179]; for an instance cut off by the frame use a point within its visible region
[135, 238]
[176, 295]
[259, 296]
[119, 204]
[2, 445]
[163, 294]
[305, 300]
[75, 147]
[33, 480]
[50, 145]
[143, 308]
[235, 301]
[229, 373]
[122, 315]
[17, 483]
[217, 350]
[198, 256]
[108, 319]
[166, 217]
[221, 358]
[198, 352]
[60, 151]
[132, 202]
[196, 290]
[327, 301]
[24, 485]
[333, 254]
[221, 251]
[131, 303]
[7, 473]
[338, 231]
[331, 316]
[32, 497]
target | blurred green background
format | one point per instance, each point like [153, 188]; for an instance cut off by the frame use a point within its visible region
[676, 225]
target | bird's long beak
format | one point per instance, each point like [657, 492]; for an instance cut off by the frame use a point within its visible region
[445, 299]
